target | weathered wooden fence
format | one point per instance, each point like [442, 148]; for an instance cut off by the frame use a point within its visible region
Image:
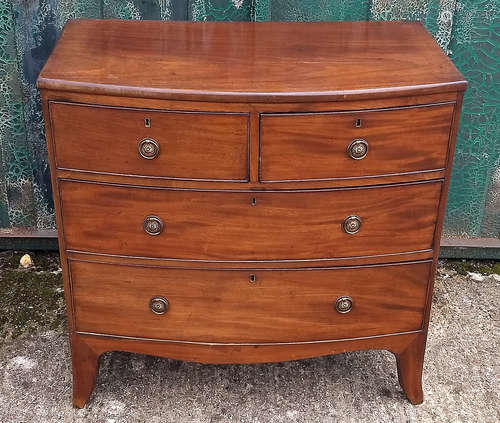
[467, 30]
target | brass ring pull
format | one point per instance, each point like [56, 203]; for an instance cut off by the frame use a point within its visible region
[158, 305]
[152, 225]
[149, 148]
[343, 304]
[351, 224]
[357, 149]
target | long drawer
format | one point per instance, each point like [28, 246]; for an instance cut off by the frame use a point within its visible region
[357, 144]
[244, 306]
[240, 226]
[153, 143]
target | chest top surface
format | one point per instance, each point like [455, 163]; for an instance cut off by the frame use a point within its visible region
[249, 62]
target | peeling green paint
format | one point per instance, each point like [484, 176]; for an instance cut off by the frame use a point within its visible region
[318, 10]
[220, 10]
[467, 30]
[472, 208]
[16, 189]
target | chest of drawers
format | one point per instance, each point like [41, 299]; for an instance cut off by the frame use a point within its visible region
[242, 193]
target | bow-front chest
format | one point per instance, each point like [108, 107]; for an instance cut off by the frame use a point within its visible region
[243, 193]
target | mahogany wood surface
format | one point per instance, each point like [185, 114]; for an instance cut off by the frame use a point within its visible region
[411, 99]
[241, 61]
[228, 306]
[410, 363]
[442, 207]
[225, 225]
[218, 353]
[305, 146]
[85, 361]
[232, 106]
[251, 265]
[192, 145]
[253, 185]
[254, 110]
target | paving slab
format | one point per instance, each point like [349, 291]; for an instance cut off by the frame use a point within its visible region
[461, 377]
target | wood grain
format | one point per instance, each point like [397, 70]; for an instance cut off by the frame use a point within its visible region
[250, 186]
[225, 306]
[234, 105]
[238, 61]
[231, 353]
[311, 146]
[261, 265]
[224, 225]
[58, 214]
[203, 146]
[221, 353]
[245, 107]
[85, 368]
[410, 363]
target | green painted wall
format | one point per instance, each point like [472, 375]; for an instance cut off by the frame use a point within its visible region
[467, 30]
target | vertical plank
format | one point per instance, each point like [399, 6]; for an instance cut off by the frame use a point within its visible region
[7, 71]
[74, 9]
[468, 32]
[220, 10]
[16, 194]
[399, 10]
[439, 21]
[261, 10]
[437, 15]
[112, 9]
[145, 9]
[178, 9]
[37, 26]
[36, 34]
[314, 10]
[474, 199]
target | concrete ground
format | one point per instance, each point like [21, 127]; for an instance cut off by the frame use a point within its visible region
[461, 372]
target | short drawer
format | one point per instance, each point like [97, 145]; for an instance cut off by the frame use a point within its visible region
[243, 306]
[358, 144]
[235, 226]
[152, 143]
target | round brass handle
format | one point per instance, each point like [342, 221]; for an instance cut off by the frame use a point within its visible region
[153, 225]
[149, 148]
[351, 224]
[357, 149]
[343, 304]
[158, 305]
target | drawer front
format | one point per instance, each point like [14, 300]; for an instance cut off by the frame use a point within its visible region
[315, 146]
[189, 145]
[232, 226]
[224, 306]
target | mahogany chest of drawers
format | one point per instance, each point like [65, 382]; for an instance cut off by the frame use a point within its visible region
[242, 193]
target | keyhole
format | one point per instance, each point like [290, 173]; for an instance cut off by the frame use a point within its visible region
[358, 123]
[252, 278]
[254, 201]
[147, 122]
